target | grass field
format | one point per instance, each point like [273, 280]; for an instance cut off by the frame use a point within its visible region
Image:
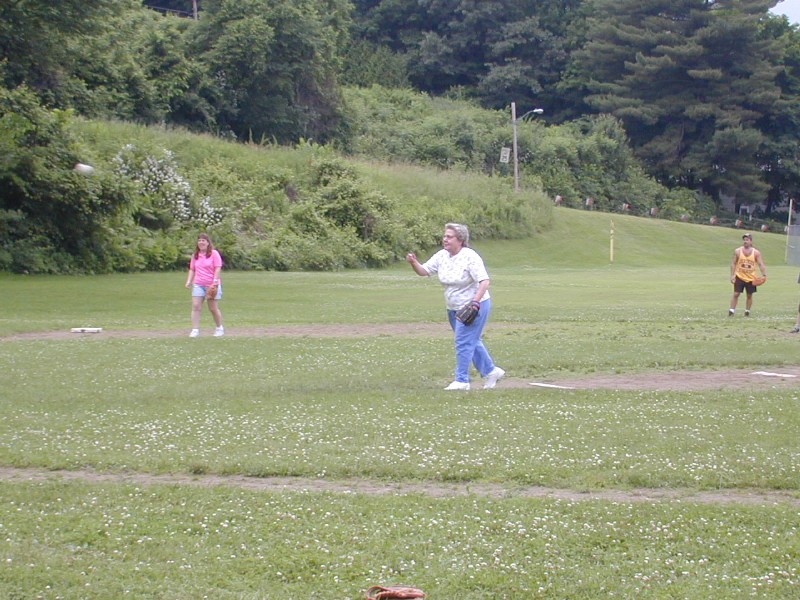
[325, 404]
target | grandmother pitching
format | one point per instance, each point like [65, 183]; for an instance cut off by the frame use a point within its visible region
[462, 273]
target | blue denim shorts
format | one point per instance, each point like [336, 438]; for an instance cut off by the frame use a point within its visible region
[200, 291]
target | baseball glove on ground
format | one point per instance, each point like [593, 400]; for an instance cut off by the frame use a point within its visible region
[379, 592]
[467, 313]
[211, 292]
[759, 281]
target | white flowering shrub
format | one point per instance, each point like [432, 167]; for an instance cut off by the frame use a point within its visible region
[159, 181]
[207, 214]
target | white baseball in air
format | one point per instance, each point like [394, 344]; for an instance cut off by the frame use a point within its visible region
[85, 169]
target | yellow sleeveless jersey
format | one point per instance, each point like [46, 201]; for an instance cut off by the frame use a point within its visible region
[746, 265]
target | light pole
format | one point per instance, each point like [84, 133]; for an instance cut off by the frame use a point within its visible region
[514, 120]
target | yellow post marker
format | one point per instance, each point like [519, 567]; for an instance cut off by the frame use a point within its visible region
[611, 247]
[788, 230]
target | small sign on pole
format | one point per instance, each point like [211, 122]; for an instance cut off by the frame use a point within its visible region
[505, 155]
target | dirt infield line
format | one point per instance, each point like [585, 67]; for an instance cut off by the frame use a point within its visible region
[433, 489]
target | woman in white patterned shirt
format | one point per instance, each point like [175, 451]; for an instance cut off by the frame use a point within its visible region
[462, 273]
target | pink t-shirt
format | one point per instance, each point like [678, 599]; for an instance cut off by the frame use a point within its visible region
[204, 267]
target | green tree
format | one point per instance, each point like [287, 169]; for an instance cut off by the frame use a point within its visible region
[34, 38]
[690, 79]
[525, 62]
[105, 59]
[274, 63]
[780, 155]
[52, 218]
[495, 50]
[367, 63]
[180, 80]
[108, 70]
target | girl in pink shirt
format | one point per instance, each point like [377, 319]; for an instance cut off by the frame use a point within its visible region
[204, 271]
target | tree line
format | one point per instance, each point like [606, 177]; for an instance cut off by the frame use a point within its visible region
[699, 99]
[708, 90]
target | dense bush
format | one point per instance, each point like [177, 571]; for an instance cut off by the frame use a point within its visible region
[53, 219]
[591, 159]
[588, 158]
[367, 63]
[406, 126]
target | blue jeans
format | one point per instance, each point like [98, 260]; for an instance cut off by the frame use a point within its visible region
[469, 347]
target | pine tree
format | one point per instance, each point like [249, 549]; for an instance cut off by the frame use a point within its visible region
[690, 79]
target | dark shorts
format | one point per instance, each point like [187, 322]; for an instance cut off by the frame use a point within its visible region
[739, 285]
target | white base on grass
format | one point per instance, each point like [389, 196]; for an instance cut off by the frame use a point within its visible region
[552, 385]
[768, 374]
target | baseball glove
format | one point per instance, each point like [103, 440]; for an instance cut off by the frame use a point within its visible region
[467, 313]
[211, 292]
[380, 592]
[759, 281]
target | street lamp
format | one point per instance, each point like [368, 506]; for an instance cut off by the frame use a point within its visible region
[514, 121]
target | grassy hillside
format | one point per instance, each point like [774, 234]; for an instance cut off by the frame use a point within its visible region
[564, 237]
[580, 239]
[290, 209]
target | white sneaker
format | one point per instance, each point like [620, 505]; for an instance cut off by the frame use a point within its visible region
[194, 333]
[219, 332]
[493, 377]
[458, 385]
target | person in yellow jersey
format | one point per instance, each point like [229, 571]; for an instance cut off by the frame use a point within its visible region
[746, 258]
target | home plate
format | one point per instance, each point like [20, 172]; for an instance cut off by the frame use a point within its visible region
[86, 330]
[768, 374]
[551, 385]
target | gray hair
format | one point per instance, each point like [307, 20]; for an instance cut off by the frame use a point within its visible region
[461, 231]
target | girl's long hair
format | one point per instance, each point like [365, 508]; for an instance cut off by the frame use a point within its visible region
[209, 249]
